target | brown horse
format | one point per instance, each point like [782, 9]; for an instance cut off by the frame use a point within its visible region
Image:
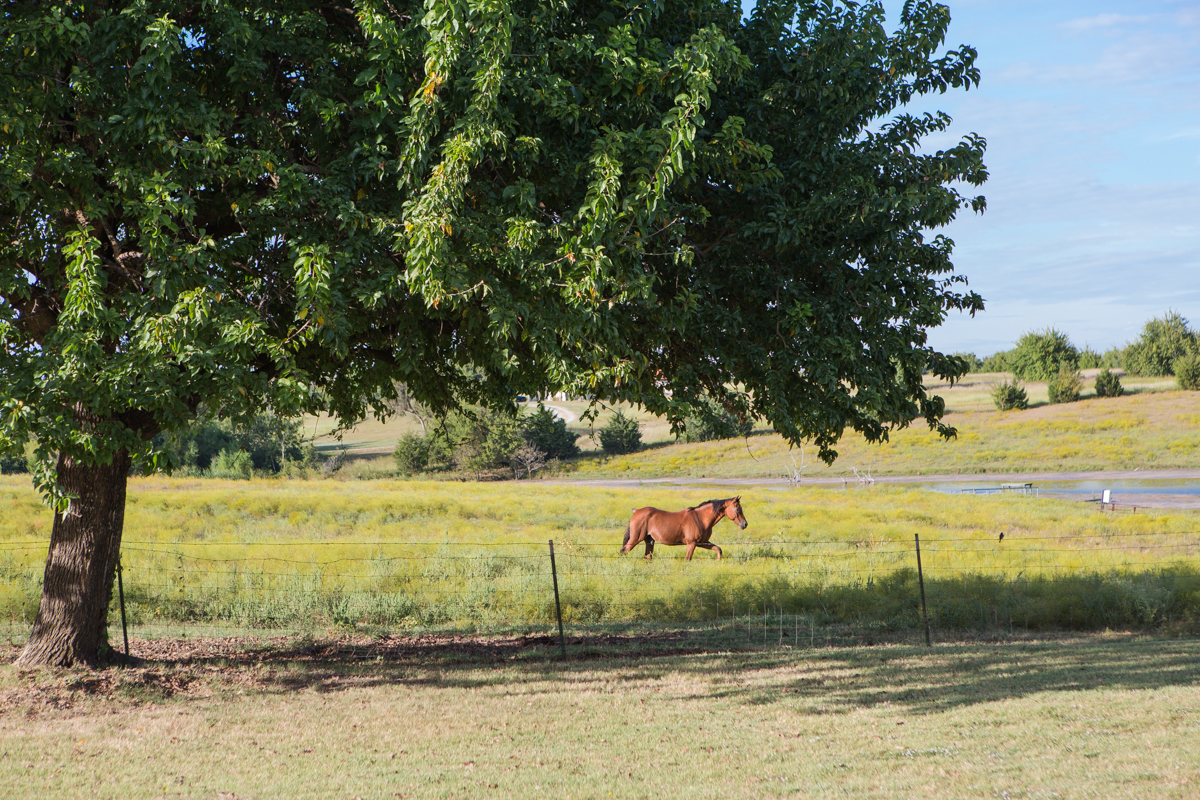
[692, 526]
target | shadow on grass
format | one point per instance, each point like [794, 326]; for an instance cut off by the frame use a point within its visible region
[838, 673]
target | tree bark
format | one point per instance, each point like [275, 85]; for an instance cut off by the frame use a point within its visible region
[71, 627]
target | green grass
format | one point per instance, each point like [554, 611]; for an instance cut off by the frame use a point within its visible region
[1153, 427]
[1158, 430]
[1100, 716]
[411, 554]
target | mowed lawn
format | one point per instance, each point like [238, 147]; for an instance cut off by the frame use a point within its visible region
[1107, 715]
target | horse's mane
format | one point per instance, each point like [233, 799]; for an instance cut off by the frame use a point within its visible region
[717, 504]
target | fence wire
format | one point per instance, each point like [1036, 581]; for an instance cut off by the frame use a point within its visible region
[1071, 580]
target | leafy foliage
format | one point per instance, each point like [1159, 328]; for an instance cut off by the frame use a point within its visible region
[709, 422]
[1008, 396]
[411, 454]
[997, 362]
[621, 434]
[1040, 355]
[1187, 371]
[1162, 341]
[548, 434]
[974, 362]
[1090, 359]
[1108, 384]
[231, 464]
[1065, 386]
[233, 206]
[269, 441]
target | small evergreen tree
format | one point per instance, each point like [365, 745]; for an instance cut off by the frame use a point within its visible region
[1108, 385]
[411, 454]
[1187, 371]
[1065, 386]
[621, 434]
[549, 434]
[709, 421]
[1162, 341]
[1008, 396]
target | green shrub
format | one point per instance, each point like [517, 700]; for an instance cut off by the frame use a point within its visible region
[271, 441]
[974, 362]
[547, 433]
[1065, 386]
[1108, 385]
[621, 435]
[1161, 343]
[411, 454]
[232, 464]
[996, 362]
[1090, 359]
[13, 464]
[1187, 371]
[1008, 396]
[709, 422]
[1040, 355]
[1113, 358]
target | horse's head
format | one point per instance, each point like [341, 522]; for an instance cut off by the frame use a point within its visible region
[733, 512]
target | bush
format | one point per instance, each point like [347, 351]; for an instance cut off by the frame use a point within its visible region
[1160, 344]
[411, 454]
[271, 441]
[1040, 355]
[490, 440]
[1187, 371]
[1113, 358]
[1008, 396]
[1108, 385]
[621, 435]
[232, 464]
[1090, 359]
[996, 362]
[15, 464]
[709, 422]
[547, 433]
[974, 362]
[1065, 386]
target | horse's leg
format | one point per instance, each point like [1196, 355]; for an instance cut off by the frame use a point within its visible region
[710, 546]
[649, 547]
[690, 549]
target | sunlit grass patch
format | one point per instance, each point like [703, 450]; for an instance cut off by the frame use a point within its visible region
[409, 553]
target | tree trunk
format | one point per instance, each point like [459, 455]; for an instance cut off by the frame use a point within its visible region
[72, 621]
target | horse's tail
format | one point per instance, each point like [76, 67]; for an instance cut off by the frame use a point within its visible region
[626, 539]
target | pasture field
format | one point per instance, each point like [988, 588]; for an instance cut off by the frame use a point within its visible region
[1148, 430]
[1102, 715]
[1159, 430]
[413, 555]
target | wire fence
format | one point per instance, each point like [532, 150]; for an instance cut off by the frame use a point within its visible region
[1072, 580]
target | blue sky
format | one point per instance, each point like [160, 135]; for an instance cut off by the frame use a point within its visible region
[1091, 111]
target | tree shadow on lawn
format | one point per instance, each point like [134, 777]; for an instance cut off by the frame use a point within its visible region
[679, 664]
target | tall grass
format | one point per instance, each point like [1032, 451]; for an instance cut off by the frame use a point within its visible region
[406, 553]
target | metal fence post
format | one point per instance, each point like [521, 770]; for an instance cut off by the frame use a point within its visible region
[562, 641]
[921, 580]
[121, 596]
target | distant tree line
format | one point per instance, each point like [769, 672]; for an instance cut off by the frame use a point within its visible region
[1167, 345]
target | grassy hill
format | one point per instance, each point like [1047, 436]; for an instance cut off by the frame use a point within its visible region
[1153, 425]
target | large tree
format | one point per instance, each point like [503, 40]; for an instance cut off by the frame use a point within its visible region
[232, 206]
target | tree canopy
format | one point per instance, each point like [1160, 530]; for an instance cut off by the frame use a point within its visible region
[293, 205]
